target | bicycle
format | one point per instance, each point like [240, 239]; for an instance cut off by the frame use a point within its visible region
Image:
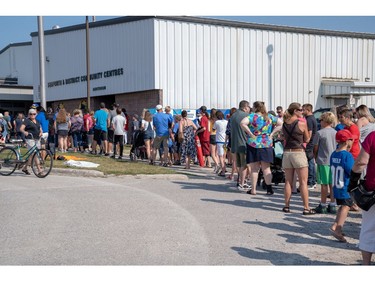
[11, 159]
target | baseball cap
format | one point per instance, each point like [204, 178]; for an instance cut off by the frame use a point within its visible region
[158, 107]
[343, 135]
[32, 110]
[34, 105]
[1, 115]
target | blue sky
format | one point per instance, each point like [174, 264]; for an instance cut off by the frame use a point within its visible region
[16, 29]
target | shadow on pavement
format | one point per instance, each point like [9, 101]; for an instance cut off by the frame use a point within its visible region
[279, 258]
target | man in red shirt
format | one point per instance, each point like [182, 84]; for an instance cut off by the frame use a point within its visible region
[345, 118]
[204, 135]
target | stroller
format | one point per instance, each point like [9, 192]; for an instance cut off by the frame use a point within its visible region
[138, 149]
[278, 175]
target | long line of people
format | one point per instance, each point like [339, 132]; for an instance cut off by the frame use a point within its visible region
[244, 141]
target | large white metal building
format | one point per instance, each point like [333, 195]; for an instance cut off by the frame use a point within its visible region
[186, 62]
[16, 78]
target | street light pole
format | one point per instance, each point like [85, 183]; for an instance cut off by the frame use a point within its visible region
[42, 74]
[88, 63]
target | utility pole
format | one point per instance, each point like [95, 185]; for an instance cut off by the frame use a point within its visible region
[42, 74]
[88, 63]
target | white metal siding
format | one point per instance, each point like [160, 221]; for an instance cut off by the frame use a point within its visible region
[16, 62]
[218, 65]
[214, 65]
[128, 46]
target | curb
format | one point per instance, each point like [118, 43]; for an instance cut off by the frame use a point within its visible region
[98, 174]
[78, 172]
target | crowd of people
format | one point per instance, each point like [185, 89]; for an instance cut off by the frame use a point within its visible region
[334, 153]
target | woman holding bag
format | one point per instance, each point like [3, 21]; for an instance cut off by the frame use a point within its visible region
[188, 150]
[366, 161]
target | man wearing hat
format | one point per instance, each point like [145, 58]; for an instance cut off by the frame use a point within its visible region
[163, 128]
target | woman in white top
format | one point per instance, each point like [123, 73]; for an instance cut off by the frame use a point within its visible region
[220, 127]
[366, 122]
[149, 134]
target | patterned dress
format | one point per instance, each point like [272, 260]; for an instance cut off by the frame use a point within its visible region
[188, 145]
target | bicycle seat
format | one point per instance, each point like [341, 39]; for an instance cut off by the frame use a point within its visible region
[18, 141]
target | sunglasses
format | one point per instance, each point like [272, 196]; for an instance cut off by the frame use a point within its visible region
[32, 113]
[299, 109]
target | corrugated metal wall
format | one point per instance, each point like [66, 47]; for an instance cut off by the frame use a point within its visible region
[218, 66]
[128, 46]
[196, 63]
[16, 62]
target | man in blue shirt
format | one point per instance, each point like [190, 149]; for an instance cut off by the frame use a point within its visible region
[41, 117]
[162, 124]
[100, 129]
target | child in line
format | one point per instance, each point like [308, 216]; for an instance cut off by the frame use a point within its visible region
[324, 145]
[341, 164]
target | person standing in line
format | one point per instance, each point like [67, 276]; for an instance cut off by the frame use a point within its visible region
[118, 125]
[110, 132]
[220, 127]
[365, 123]
[280, 112]
[147, 127]
[260, 127]
[228, 141]
[176, 143]
[341, 163]
[4, 127]
[162, 124]
[294, 158]
[9, 128]
[135, 126]
[188, 149]
[324, 146]
[204, 135]
[88, 127]
[238, 143]
[100, 129]
[62, 126]
[213, 147]
[17, 125]
[42, 118]
[76, 122]
[345, 118]
[366, 160]
[126, 129]
[312, 127]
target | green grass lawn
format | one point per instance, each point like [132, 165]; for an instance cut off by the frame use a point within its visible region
[113, 166]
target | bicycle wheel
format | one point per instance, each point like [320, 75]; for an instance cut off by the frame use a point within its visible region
[42, 162]
[8, 161]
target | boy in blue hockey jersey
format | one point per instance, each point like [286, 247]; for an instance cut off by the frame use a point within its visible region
[341, 163]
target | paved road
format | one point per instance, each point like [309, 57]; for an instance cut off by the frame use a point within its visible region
[160, 220]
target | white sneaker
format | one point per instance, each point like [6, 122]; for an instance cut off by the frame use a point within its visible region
[311, 187]
[243, 187]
